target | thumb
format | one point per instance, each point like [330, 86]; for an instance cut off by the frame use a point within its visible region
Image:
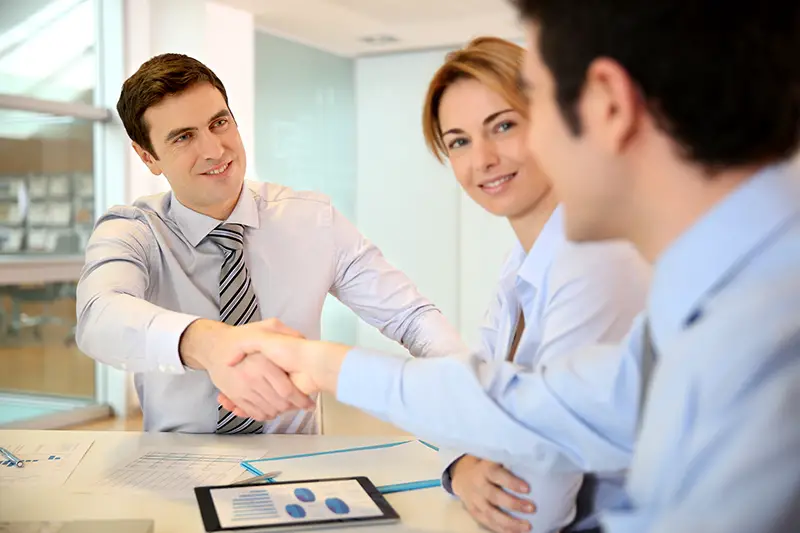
[273, 325]
[236, 358]
[304, 383]
[226, 402]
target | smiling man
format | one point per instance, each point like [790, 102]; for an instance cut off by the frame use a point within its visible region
[174, 284]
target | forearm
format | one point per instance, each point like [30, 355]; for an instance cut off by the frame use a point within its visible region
[429, 334]
[130, 333]
[505, 416]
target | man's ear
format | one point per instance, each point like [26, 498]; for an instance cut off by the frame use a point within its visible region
[148, 159]
[611, 107]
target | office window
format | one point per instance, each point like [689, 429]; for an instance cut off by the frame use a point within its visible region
[54, 169]
[46, 185]
[47, 49]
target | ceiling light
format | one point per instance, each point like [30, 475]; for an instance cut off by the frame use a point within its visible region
[379, 39]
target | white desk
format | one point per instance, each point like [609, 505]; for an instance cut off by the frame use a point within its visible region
[421, 510]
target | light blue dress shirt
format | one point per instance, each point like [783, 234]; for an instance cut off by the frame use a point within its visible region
[719, 448]
[571, 296]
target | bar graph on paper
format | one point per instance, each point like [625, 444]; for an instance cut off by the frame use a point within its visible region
[173, 473]
[45, 464]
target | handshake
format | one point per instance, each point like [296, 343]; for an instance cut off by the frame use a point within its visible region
[264, 368]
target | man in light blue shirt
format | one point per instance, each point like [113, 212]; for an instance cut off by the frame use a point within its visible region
[668, 124]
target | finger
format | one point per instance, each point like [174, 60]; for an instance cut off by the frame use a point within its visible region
[236, 359]
[273, 325]
[498, 521]
[258, 392]
[304, 384]
[280, 349]
[284, 386]
[482, 518]
[277, 387]
[268, 398]
[502, 499]
[499, 475]
[226, 402]
[248, 409]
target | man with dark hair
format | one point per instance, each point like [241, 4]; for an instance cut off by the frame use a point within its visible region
[175, 286]
[668, 123]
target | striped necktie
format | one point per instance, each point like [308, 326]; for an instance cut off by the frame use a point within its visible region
[237, 305]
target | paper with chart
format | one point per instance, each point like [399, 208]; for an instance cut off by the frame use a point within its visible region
[406, 462]
[173, 473]
[48, 463]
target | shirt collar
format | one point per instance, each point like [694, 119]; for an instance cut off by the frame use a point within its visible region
[712, 251]
[195, 226]
[538, 260]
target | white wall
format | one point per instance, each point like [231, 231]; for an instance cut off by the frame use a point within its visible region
[230, 53]
[226, 45]
[410, 205]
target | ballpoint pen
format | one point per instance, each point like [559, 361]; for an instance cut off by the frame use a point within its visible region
[11, 457]
[265, 478]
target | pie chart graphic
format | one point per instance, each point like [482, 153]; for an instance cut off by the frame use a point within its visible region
[337, 506]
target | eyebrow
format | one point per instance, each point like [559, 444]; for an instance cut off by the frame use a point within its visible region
[487, 120]
[177, 132]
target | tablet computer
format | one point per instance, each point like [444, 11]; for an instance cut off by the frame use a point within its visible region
[293, 505]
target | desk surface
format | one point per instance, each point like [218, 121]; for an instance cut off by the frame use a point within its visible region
[421, 510]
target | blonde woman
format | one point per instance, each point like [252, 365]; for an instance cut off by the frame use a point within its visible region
[552, 297]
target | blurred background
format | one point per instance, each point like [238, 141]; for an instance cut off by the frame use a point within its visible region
[328, 95]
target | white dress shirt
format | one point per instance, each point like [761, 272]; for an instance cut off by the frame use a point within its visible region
[150, 272]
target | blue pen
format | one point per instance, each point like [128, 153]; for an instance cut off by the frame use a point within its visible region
[11, 457]
[414, 485]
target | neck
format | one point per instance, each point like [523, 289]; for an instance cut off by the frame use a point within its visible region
[528, 225]
[676, 203]
[219, 211]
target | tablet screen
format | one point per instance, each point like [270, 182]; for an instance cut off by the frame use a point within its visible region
[293, 503]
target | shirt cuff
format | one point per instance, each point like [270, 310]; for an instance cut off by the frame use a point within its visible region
[450, 459]
[163, 339]
[367, 380]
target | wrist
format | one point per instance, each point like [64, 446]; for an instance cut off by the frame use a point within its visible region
[196, 343]
[323, 362]
[459, 465]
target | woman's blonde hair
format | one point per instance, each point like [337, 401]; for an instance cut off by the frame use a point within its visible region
[492, 61]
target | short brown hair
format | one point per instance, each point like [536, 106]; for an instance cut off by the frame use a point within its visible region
[157, 78]
[495, 62]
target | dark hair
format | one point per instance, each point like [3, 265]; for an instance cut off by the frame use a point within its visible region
[157, 78]
[721, 78]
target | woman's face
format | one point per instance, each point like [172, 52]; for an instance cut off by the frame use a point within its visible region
[485, 141]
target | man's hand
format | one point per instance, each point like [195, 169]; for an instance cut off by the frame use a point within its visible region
[480, 485]
[312, 366]
[258, 387]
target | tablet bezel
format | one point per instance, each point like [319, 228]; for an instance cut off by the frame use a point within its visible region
[212, 525]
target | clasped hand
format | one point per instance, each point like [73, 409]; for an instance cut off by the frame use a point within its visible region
[250, 382]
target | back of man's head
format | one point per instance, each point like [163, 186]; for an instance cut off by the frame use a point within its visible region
[157, 78]
[721, 78]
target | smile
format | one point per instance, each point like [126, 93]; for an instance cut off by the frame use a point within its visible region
[218, 170]
[497, 182]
